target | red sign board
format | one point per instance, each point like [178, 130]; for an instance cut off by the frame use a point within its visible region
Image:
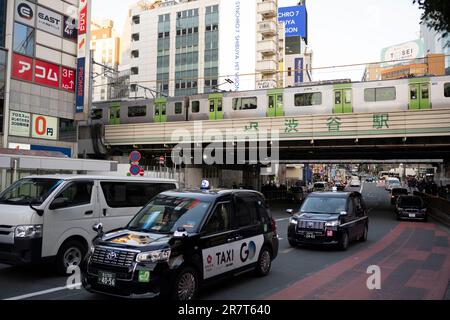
[22, 67]
[68, 79]
[83, 20]
[46, 73]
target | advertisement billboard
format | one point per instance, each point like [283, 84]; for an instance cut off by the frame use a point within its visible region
[299, 70]
[19, 124]
[295, 20]
[49, 21]
[83, 51]
[402, 53]
[80, 86]
[238, 44]
[47, 74]
[22, 67]
[44, 127]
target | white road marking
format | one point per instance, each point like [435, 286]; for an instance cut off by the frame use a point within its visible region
[41, 293]
[284, 219]
[287, 251]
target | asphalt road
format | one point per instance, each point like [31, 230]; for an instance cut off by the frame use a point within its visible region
[413, 257]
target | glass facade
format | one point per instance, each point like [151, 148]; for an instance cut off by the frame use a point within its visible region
[186, 59]
[23, 39]
[2, 22]
[3, 60]
[163, 63]
[211, 48]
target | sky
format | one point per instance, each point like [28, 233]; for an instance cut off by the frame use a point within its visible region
[340, 32]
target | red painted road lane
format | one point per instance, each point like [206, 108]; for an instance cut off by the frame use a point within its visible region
[415, 264]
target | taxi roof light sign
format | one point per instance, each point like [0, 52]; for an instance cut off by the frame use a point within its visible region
[205, 184]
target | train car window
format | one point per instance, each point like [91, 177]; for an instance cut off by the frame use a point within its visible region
[338, 97]
[195, 106]
[245, 103]
[178, 108]
[308, 99]
[137, 111]
[380, 94]
[425, 92]
[212, 106]
[219, 106]
[271, 102]
[348, 96]
[97, 114]
[413, 93]
[447, 90]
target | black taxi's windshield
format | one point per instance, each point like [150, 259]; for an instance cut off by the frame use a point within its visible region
[324, 205]
[29, 191]
[167, 214]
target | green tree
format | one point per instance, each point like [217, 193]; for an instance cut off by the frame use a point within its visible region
[436, 15]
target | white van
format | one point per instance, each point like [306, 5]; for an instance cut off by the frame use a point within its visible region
[392, 183]
[51, 217]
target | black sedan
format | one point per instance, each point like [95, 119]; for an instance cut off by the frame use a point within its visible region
[411, 208]
[331, 218]
[396, 193]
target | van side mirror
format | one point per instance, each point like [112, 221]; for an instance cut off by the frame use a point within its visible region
[290, 211]
[98, 228]
[180, 233]
[58, 203]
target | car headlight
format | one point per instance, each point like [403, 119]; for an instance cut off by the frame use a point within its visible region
[332, 223]
[154, 256]
[31, 231]
[293, 221]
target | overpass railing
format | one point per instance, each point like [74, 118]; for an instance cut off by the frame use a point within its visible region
[405, 124]
[439, 207]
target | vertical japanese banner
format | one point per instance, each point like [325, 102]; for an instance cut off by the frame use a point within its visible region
[82, 81]
[299, 70]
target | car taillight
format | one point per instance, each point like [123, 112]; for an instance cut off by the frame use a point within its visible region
[274, 225]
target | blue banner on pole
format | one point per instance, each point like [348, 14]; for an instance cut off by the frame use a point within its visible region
[299, 70]
[81, 80]
[295, 21]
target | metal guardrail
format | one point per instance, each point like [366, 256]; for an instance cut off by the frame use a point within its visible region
[439, 207]
[412, 123]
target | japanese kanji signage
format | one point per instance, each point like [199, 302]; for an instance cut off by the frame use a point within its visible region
[44, 127]
[19, 124]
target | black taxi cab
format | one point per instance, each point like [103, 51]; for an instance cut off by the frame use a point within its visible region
[329, 218]
[180, 241]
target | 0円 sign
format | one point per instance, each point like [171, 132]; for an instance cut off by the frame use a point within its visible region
[44, 127]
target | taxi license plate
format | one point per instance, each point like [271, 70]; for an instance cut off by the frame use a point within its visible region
[412, 215]
[107, 279]
[310, 235]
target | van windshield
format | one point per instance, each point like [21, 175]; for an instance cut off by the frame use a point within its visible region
[166, 214]
[29, 191]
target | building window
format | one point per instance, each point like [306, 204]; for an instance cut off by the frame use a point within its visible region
[136, 20]
[245, 103]
[137, 111]
[289, 72]
[195, 106]
[447, 90]
[135, 54]
[2, 22]
[178, 108]
[134, 70]
[308, 99]
[135, 37]
[133, 88]
[23, 39]
[380, 94]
